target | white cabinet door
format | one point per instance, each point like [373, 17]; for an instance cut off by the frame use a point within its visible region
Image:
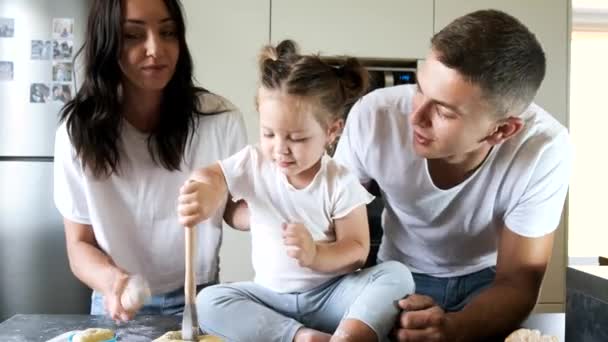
[381, 28]
[224, 37]
[549, 21]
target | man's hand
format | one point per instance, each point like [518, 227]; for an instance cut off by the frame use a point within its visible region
[421, 320]
[112, 298]
[299, 243]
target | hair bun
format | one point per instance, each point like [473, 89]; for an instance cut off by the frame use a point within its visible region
[286, 48]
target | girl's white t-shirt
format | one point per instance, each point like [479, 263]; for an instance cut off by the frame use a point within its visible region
[522, 185]
[134, 214]
[333, 193]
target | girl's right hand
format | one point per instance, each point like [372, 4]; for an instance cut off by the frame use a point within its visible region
[192, 207]
[201, 195]
[112, 302]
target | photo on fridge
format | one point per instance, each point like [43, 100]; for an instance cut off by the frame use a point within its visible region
[6, 71]
[7, 27]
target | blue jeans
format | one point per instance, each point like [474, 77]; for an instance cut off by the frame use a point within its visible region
[453, 293]
[170, 303]
[247, 312]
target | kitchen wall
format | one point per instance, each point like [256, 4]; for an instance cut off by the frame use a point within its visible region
[225, 36]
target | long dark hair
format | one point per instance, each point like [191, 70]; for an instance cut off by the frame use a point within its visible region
[93, 117]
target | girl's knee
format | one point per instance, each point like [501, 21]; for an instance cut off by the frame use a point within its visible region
[397, 274]
[210, 298]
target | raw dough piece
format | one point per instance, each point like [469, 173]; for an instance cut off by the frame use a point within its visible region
[135, 293]
[176, 336]
[93, 335]
[527, 335]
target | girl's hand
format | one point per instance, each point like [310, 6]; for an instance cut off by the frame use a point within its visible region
[193, 203]
[201, 195]
[299, 243]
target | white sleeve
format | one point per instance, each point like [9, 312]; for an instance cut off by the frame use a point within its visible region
[349, 151]
[348, 195]
[68, 180]
[237, 170]
[538, 210]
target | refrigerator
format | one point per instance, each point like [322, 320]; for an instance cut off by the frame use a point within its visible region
[38, 40]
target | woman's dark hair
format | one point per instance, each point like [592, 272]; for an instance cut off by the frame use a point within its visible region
[334, 87]
[93, 118]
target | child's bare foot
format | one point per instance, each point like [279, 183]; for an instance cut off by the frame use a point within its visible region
[311, 335]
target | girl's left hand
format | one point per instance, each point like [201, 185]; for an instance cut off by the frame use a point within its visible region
[299, 243]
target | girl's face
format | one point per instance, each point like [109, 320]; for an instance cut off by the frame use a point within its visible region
[150, 47]
[290, 135]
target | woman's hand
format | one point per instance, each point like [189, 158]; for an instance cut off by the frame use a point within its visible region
[112, 297]
[299, 243]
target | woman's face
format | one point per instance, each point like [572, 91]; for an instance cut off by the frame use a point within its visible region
[150, 47]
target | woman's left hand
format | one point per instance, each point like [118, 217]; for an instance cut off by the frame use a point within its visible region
[299, 243]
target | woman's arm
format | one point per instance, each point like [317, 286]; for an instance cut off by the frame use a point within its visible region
[95, 268]
[347, 254]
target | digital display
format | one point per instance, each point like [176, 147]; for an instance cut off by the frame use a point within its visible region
[404, 77]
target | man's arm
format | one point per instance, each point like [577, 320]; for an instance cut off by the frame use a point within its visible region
[520, 267]
[498, 310]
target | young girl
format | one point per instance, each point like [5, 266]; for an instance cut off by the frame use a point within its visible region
[308, 218]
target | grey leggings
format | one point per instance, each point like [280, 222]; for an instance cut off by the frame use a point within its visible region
[245, 311]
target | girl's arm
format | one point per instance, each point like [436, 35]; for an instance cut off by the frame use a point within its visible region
[347, 254]
[237, 215]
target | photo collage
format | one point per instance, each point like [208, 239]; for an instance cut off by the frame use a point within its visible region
[57, 52]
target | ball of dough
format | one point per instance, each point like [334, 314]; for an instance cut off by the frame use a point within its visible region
[176, 336]
[135, 293]
[527, 335]
[93, 335]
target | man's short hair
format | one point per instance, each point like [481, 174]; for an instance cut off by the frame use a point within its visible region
[498, 53]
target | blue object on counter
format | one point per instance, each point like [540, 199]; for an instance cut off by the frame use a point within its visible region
[113, 339]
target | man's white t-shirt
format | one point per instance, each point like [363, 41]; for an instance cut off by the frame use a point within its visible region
[522, 185]
[134, 213]
[333, 193]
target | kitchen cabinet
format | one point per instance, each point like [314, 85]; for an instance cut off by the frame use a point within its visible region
[224, 37]
[549, 20]
[382, 28]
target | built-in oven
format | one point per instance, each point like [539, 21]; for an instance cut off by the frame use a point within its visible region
[382, 73]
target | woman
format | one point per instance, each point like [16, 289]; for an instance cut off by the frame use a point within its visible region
[127, 141]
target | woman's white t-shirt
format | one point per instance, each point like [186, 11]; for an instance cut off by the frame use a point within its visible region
[134, 214]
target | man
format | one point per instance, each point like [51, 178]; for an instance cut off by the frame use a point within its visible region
[473, 177]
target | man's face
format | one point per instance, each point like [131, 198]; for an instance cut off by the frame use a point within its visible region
[449, 118]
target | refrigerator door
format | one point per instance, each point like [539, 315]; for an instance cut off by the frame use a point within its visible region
[35, 63]
[35, 276]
